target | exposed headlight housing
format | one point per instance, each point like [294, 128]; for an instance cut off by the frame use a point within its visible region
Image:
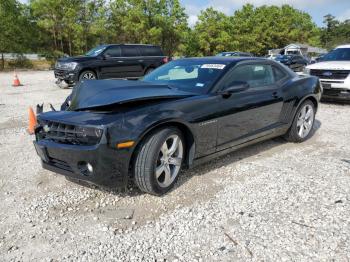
[306, 71]
[66, 66]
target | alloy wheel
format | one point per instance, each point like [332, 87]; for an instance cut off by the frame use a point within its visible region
[305, 121]
[89, 75]
[169, 161]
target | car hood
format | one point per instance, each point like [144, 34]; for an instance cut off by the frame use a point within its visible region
[75, 59]
[91, 94]
[331, 65]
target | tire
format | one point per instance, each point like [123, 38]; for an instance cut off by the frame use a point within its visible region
[149, 70]
[304, 120]
[87, 75]
[164, 151]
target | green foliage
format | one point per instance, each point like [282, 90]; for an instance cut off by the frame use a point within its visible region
[58, 27]
[335, 32]
[20, 62]
[253, 29]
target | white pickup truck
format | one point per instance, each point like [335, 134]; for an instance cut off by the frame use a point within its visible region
[334, 73]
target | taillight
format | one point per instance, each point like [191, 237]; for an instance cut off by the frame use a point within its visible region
[165, 60]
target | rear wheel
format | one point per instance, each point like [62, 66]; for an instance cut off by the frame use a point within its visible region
[87, 75]
[159, 161]
[303, 123]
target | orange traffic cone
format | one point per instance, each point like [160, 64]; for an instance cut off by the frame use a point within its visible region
[16, 80]
[32, 121]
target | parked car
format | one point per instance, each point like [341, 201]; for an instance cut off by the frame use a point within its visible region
[235, 53]
[110, 61]
[334, 73]
[272, 56]
[295, 62]
[182, 114]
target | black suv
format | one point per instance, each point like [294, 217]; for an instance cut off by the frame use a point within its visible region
[110, 61]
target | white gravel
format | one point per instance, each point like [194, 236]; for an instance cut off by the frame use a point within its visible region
[274, 201]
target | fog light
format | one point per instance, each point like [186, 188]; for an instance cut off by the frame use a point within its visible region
[85, 168]
[89, 167]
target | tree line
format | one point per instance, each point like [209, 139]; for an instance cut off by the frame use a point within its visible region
[57, 27]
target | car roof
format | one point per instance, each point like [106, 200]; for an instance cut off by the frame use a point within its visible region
[230, 59]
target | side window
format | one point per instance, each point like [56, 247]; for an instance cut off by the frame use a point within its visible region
[278, 74]
[151, 51]
[259, 75]
[113, 51]
[130, 51]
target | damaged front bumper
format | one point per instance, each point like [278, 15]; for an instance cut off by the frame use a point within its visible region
[63, 150]
[65, 77]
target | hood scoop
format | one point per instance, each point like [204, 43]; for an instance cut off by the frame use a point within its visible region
[91, 94]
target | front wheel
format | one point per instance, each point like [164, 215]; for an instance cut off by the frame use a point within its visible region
[159, 161]
[87, 75]
[303, 123]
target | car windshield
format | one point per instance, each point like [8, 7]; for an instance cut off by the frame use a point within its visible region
[339, 54]
[96, 51]
[188, 75]
[224, 54]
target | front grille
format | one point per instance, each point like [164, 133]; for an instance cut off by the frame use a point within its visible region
[330, 74]
[65, 134]
[59, 73]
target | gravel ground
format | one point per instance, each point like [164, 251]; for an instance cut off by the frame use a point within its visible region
[274, 201]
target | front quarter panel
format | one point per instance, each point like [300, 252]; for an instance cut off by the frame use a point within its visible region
[195, 113]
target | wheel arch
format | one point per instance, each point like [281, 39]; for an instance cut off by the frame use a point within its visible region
[186, 131]
[88, 69]
[312, 98]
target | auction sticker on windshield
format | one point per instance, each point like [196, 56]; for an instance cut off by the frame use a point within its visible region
[213, 66]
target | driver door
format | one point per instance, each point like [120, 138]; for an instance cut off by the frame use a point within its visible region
[112, 64]
[250, 113]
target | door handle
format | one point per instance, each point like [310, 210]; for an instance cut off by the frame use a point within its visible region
[275, 94]
[140, 60]
[120, 61]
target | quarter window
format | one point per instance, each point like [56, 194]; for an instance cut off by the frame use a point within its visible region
[129, 51]
[278, 74]
[258, 75]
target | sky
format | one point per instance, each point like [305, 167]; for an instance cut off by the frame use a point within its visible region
[316, 8]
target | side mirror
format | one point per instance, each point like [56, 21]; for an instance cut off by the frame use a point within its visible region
[104, 56]
[235, 87]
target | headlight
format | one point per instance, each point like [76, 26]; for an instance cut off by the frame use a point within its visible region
[71, 65]
[91, 132]
[306, 71]
[67, 66]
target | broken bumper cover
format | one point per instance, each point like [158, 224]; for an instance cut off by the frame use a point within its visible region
[69, 77]
[98, 164]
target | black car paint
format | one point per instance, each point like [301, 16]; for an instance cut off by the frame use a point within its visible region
[213, 123]
[108, 67]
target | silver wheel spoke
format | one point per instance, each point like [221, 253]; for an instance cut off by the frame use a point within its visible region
[299, 122]
[176, 161]
[169, 160]
[159, 170]
[308, 114]
[301, 130]
[164, 149]
[167, 177]
[174, 146]
[305, 121]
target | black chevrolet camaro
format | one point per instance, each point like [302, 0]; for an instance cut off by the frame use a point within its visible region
[183, 113]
